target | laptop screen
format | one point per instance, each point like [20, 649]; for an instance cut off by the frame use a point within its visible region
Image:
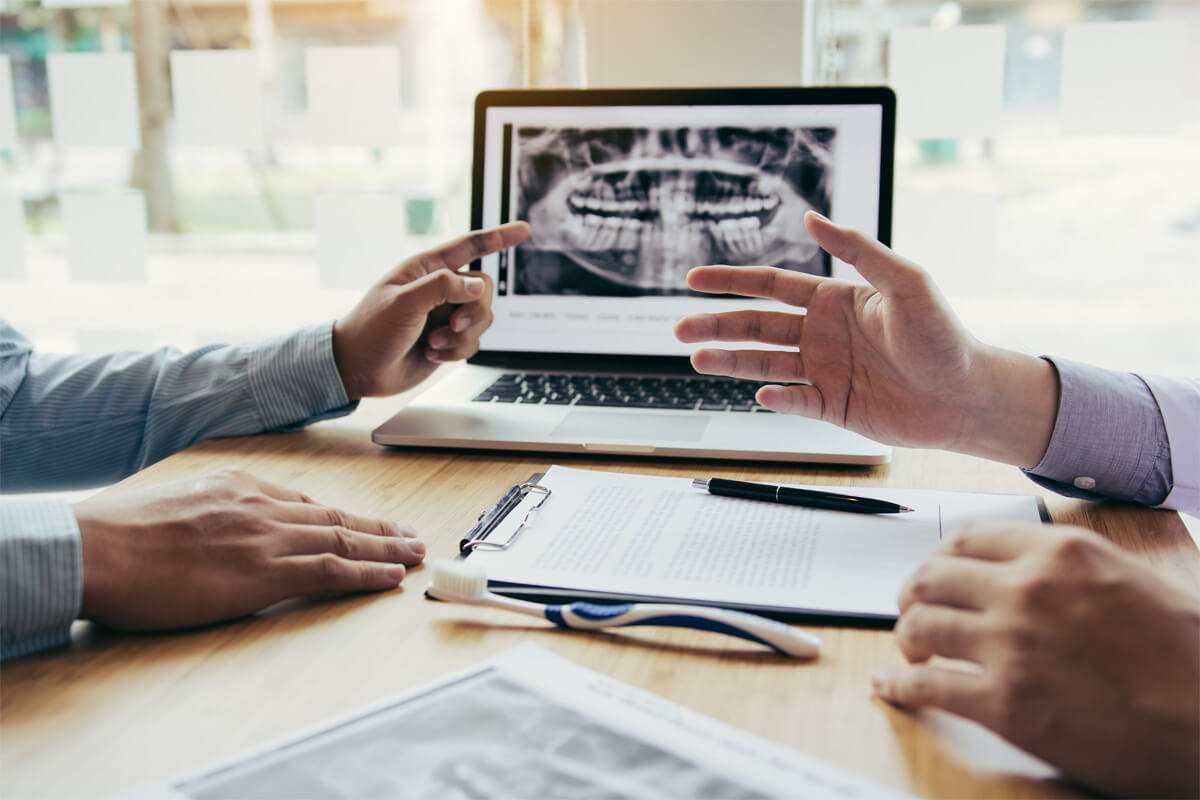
[626, 190]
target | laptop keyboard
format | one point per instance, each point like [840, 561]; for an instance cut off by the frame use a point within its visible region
[625, 391]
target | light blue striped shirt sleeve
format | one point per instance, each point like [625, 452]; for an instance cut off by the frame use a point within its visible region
[41, 575]
[74, 421]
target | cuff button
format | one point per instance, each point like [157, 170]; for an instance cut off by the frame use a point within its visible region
[1084, 482]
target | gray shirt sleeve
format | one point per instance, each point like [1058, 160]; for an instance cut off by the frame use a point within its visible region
[81, 420]
[87, 420]
[1109, 439]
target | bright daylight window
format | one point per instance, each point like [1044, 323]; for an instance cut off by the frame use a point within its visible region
[184, 172]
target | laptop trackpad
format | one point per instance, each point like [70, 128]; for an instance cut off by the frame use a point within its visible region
[587, 426]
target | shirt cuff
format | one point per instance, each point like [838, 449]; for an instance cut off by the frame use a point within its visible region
[1109, 439]
[1179, 401]
[41, 575]
[295, 379]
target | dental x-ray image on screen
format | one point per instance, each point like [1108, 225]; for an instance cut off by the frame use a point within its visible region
[622, 211]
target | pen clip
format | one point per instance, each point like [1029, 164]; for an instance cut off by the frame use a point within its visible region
[477, 538]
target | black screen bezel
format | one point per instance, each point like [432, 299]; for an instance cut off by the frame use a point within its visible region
[881, 96]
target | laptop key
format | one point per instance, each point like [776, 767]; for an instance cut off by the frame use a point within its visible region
[630, 391]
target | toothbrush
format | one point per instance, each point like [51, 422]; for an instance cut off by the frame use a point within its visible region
[459, 582]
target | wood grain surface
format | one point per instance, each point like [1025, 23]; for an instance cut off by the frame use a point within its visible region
[115, 710]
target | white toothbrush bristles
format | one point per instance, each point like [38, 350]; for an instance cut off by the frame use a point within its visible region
[458, 581]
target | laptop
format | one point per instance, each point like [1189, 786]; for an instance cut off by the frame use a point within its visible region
[625, 190]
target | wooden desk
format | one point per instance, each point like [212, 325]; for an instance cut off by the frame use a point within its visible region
[115, 710]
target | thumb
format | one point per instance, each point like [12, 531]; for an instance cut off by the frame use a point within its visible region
[888, 272]
[443, 287]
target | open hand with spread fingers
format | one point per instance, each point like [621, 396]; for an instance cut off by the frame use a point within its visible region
[887, 359]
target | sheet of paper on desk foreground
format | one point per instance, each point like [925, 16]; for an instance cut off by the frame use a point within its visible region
[657, 538]
[524, 724]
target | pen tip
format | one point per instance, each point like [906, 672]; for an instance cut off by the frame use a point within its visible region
[906, 508]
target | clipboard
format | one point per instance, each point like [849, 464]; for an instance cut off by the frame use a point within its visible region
[484, 538]
[485, 526]
[478, 538]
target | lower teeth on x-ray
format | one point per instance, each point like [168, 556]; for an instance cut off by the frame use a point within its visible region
[628, 211]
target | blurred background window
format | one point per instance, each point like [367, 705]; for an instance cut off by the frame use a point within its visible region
[214, 170]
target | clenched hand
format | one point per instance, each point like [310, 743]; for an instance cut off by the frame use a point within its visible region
[420, 314]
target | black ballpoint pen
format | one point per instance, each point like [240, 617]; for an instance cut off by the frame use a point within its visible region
[797, 497]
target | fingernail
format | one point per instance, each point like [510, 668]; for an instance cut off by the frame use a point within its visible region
[433, 355]
[416, 546]
[438, 340]
[474, 285]
[879, 680]
[395, 572]
[460, 323]
[405, 531]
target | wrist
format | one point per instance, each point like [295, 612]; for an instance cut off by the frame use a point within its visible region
[97, 587]
[343, 360]
[1013, 404]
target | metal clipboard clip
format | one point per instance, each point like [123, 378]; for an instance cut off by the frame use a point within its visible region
[489, 520]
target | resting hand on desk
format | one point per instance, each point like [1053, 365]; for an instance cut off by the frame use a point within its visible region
[889, 360]
[224, 546]
[1085, 656]
[420, 314]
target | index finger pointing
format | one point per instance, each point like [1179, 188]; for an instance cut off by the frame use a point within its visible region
[793, 288]
[475, 245]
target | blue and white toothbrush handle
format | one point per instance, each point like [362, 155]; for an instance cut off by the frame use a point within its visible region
[781, 638]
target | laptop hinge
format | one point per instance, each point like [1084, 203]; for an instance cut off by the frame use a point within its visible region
[575, 362]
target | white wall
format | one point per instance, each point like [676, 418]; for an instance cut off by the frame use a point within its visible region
[694, 42]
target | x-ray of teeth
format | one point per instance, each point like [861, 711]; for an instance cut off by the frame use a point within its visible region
[628, 211]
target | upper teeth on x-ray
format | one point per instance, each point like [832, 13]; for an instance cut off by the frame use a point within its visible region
[619, 211]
